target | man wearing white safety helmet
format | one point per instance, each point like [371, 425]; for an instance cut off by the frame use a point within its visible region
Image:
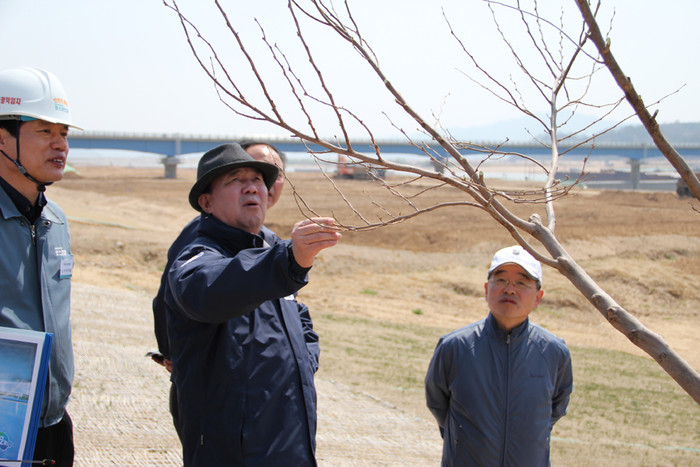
[37, 263]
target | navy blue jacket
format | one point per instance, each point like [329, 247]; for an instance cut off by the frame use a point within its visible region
[243, 349]
[187, 236]
[496, 395]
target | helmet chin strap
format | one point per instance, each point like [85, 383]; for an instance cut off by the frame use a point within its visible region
[40, 186]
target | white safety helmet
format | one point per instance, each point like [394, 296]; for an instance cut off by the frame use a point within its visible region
[33, 93]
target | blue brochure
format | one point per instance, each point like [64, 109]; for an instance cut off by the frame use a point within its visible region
[24, 365]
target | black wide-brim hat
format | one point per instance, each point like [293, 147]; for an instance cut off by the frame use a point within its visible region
[223, 159]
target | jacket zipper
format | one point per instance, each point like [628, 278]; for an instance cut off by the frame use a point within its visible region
[32, 229]
[507, 402]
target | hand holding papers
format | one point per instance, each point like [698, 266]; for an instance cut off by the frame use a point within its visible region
[24, 363]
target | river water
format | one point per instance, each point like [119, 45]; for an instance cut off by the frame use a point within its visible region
[656, 174]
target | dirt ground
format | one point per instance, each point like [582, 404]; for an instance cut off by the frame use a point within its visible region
[642, 247]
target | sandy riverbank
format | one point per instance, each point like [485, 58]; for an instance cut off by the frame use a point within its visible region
[425, 274]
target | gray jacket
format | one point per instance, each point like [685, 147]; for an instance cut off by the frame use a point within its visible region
[36, 291]
[496, 396]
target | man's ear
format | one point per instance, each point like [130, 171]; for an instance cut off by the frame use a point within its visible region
[5, 138]
[204, 201]
[538, 299]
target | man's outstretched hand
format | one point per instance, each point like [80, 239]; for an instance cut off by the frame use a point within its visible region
[310, 236]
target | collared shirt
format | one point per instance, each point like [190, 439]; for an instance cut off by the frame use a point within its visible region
[24, 206]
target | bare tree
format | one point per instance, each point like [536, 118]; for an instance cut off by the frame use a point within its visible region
[564, 69]
[635, 100]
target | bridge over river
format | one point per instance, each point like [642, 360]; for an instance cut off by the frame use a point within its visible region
[170, 146]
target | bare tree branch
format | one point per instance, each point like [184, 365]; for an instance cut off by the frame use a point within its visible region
[555, 87]
[635, 100]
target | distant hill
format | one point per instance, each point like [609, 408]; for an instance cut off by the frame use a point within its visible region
[516, 130]
[676, 133]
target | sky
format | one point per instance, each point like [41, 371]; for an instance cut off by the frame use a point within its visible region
[127, 67]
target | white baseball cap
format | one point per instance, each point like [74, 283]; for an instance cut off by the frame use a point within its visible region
[517, 255]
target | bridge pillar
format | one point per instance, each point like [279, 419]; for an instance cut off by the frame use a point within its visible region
[170, 164]
[634, 172]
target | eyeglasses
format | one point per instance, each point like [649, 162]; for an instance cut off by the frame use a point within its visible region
[518, 284]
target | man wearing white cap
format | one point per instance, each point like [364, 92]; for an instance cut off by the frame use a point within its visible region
[497, 386]
[36, 264]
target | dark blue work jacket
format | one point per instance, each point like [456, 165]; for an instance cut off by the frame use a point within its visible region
[243, 349]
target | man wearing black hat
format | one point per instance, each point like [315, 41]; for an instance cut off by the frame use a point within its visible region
[260, 151]
[244, 351]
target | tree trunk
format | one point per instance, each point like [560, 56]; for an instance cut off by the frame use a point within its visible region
[651, 343]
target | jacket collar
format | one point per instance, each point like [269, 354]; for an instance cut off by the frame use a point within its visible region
[515, 333]
[14, 204]
[229, 237]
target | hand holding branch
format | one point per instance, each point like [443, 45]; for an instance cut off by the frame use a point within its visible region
[310, 236]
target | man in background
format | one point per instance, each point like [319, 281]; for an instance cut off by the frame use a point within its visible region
[496, 387]
[36, 264]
